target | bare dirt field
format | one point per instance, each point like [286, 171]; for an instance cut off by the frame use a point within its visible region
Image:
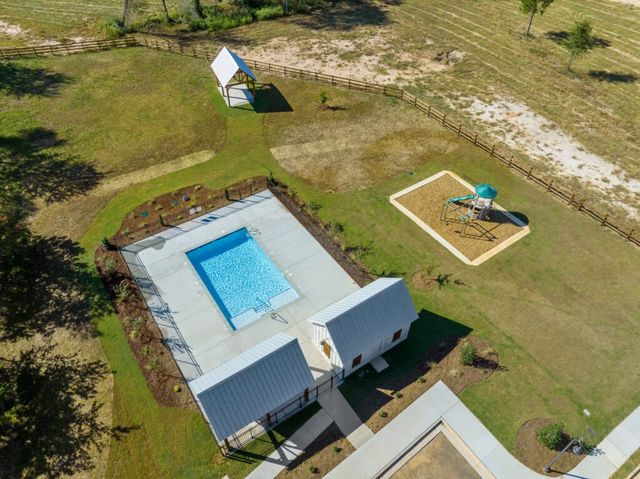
[479, 238]
[436, 460]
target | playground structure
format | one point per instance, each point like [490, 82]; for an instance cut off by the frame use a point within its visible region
[478, 207]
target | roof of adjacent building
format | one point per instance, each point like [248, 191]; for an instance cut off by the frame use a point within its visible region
[227, 64]
[252, 384]
[366, 317]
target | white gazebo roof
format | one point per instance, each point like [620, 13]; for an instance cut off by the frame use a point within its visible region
[227, 64]
[363, 319]
[252, 384]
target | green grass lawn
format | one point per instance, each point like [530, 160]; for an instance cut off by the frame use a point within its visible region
[560, 305]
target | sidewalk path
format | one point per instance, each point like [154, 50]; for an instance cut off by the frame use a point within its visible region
[292, 447]
[440, 405]
[336, 406]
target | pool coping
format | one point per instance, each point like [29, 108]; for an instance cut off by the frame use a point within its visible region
[393, 199]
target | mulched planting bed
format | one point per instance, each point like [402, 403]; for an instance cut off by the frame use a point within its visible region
[145, 340]
[426, 203]
[534, 455]
[323, 454]
[385, 402]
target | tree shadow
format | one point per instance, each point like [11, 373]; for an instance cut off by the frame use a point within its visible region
[45, 286]
[30, 160]
[561, 36]
[346, 16]
[612, 77]
[56, 423]
[18, 81]
[269, 99]
[431, 339]
[119, 432]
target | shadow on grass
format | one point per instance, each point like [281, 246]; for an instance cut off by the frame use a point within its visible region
[45, 286]
[561, 36]
[347, 15]
[55, 423]
[432, 337]
[18, 81]
[612, 77]
[31, 161]
[271, 100]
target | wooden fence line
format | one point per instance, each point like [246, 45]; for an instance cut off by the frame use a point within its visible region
[458, 128]
[66, 48]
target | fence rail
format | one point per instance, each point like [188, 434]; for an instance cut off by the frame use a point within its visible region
[66, 48]
[570, 198]
[244, 437]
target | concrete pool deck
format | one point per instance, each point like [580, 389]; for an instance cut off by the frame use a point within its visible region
[194, 328]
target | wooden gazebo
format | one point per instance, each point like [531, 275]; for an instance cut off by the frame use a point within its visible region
[236, 82]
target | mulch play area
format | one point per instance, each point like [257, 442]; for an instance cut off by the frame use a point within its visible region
[473, 244]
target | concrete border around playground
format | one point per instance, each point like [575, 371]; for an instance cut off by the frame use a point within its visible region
[439, 405]
[456, 252]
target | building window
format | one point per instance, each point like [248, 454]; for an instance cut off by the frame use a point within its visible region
[396, 335]
[356, 361]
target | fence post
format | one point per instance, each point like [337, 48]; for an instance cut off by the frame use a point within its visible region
[549, 186]
[630, 234]
[459, 129]
[573, 195]
[529, 174]
[604, 220]
[493, 149]
[444, 119]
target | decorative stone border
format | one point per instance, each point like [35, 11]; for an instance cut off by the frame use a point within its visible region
[456, 252]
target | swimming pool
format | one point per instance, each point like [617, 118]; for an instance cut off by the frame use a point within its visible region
[241, 278]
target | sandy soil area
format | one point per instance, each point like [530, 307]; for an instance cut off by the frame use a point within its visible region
[426, 203]
[372, 57]
[635, 3]
[437, 459]
[521, 128]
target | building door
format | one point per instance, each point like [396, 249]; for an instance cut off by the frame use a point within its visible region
[326, 349]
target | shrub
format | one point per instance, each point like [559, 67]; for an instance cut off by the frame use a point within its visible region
[383, 414]
[122, 291]
[337, 449]
[552, 436]
[267, 13]
[421, 380]
[468, 354]
[136, 325]
[399, 395]
[177, 388]
[109, 265]
[113, 27]
[314, 470]
[313, 206]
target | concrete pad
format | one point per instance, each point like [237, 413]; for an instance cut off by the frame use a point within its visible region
[379, 364]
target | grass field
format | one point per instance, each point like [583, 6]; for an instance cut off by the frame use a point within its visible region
[560, 306]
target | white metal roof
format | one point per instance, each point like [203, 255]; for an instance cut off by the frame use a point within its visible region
[227, 64]
[252, 384]
[363, 319]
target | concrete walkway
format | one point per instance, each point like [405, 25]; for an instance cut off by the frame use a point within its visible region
[292, 447]
[337, 407]
[439, 405]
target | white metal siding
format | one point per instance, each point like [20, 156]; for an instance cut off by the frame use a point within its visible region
[358, 323]
[252, 384]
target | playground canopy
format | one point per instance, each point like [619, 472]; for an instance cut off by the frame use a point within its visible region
[234, 78]
[486, 191]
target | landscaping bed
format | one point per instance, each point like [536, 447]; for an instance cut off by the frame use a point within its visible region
[323, 454]
[534, 455]
[385, 399]
[145, 340]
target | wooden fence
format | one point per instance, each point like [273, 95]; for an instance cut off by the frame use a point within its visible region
[495, 151]
[66, 48]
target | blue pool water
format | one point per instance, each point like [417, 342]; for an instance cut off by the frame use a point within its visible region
[241, 278]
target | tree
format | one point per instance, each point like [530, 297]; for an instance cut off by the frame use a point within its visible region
[532, 7]
[166, 11]
[197, 8]
[579, 41]
[127, 12]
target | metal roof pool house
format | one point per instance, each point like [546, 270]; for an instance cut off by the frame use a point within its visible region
[252, 385]
[363, 325]
[236, 82]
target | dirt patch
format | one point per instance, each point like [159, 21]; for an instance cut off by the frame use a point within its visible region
[436, 460]
[478, 237]
[382, 404]
[371, 56]
[11, 30]
[536, 456]
[324, 453]
[145, 340]
[635, 3]
[521, 128]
